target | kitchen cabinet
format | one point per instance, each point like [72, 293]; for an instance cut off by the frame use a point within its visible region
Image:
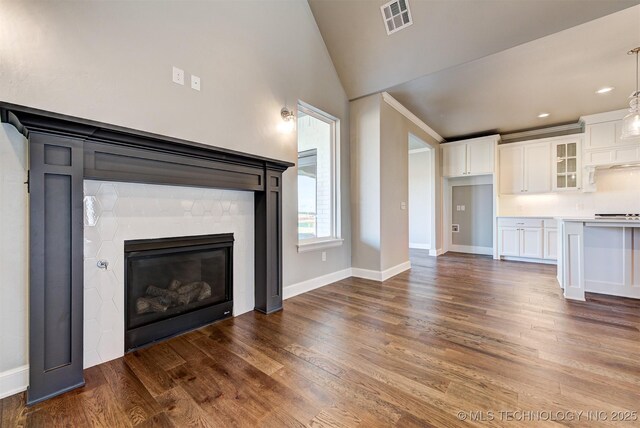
[511, 167]
[537, 168]
[469, 157]
[525, 168]
[454, 160]
[509, 241]
[531, 242]
[530, 239]
[602, 143]
[565, 164]
[550, 243]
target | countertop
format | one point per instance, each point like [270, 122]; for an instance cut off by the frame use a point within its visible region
[620, 221]
[529, 216]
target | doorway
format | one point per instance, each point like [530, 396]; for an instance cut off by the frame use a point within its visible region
[421, 195]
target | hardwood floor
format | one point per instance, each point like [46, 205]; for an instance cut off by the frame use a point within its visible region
[456, 333]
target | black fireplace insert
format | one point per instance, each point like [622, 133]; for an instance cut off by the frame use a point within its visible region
[174, 285]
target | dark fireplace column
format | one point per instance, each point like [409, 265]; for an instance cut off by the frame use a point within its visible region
[268, 246]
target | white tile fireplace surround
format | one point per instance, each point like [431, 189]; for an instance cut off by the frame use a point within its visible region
[115, 212]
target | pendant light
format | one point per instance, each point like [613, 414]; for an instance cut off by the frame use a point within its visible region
[631, 122]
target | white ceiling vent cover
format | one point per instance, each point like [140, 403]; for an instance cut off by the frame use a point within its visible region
[396, 15]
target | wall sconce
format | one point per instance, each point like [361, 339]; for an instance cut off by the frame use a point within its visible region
[288, 121]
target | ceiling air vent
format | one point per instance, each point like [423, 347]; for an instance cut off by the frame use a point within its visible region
[396, 15]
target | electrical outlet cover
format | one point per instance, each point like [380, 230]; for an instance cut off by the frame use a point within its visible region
[178, 75]
[195, 82]
[455, 228]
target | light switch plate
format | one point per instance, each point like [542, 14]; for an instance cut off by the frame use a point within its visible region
[324, 256]
[403, 205]
[178, 75]
[195, 82]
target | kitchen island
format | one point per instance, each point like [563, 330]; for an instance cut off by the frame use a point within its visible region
[599, 255]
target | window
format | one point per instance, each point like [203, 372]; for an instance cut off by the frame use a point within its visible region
[318, 186]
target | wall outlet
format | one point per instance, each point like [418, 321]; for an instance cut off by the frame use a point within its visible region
[403, 205]
[455, 228]
[462, 208]
[457, 207]
[195, 82]
[178, 75]
[324, 256]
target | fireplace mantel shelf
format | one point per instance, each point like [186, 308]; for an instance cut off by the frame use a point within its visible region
[26, 119]
[64, 151]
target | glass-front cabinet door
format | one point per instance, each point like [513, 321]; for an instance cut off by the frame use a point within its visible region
[566, 169]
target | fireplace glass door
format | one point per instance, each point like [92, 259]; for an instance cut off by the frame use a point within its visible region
[165, 282]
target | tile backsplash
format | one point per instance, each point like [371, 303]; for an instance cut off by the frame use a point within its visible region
[115, 212]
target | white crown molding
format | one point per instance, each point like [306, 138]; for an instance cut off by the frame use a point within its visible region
[608, 116]
[412, 117]
[539, 134]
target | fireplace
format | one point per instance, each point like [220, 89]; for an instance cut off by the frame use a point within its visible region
[173, 285]
[65, 151]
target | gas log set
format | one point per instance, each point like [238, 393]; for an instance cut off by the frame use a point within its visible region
[158, 299]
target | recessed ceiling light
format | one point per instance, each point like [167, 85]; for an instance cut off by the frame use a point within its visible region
[604, 90]
[543, 115]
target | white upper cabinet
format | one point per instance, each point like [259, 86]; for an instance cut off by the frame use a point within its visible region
[566, 174]
[602, 143]
[537, 168]
[469, 157]
[454, 160]
[480, 156]
[525, 168]
[540, 166]
[511, 167]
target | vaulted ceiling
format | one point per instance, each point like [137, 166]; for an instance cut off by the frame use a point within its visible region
[471, 66]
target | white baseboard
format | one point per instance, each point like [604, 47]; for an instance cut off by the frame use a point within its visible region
[416, 246]
[380, 276]
[312, 284]
[436, 252]
[14, 381]
[471, 249]
[528, 260]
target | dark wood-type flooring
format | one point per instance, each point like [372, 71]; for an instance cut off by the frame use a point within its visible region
[456, 333]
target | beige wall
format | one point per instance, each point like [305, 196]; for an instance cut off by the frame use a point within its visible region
[394, 137]
[112, 62]
[365, 182]
[380, 183]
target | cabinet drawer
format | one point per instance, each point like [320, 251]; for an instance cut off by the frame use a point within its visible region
[520, 222]
[550, 223]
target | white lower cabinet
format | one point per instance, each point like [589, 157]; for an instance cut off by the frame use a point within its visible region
[509, 241]
[551, 243]
[531, 244]
[527, 238]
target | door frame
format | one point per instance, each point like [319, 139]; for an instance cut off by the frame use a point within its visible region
[433, 177]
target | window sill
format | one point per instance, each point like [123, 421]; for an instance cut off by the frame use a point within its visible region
[304, 247]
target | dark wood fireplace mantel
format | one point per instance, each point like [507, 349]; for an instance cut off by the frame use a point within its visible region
[63, 151]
